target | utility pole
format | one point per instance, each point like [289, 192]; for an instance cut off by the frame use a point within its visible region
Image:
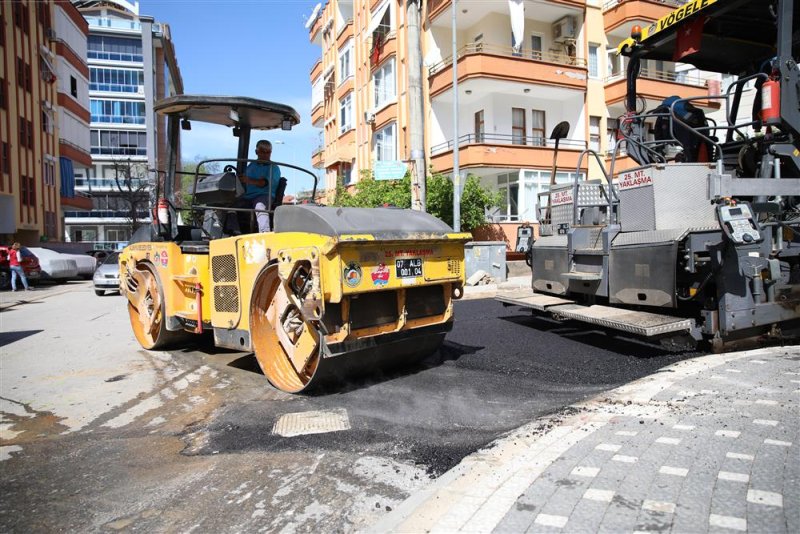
[456, 170]
[416, 120]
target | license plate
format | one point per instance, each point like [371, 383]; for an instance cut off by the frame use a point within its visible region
[408, 268]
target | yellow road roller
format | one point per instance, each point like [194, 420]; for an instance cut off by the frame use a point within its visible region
[327, 292]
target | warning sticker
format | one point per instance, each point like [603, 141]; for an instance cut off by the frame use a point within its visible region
[558, 198]
[634, 179]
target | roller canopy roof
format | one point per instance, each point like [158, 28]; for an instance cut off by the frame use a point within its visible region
[228, 111]
[383, 223]
[738, 35]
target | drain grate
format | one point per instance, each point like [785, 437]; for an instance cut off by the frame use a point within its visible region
[303, 423]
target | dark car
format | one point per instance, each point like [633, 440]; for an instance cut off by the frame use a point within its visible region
[28, 261]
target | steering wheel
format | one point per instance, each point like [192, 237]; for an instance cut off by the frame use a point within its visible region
[229, 168]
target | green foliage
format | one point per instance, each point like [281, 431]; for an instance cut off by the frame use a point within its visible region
[475, 199]
[371, 193]
[184, 196]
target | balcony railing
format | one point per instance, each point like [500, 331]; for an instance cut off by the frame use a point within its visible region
[508, 51]
[105, 214]
[661, 76]
[614, 3]
[119, 24]
[507, 139]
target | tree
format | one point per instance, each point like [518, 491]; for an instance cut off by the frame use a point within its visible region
[133, 186]
[371, 193]
[188, 170]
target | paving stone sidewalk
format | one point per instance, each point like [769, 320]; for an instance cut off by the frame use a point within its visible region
[710, 444]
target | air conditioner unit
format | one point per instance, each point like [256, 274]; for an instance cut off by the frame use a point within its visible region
[564, 29]
[369, 117]
[50, 33]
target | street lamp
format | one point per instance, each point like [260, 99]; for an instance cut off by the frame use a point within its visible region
[456, 172]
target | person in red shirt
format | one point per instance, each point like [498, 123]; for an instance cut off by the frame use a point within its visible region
[16, 268]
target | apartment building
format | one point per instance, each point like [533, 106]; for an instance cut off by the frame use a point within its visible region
[522, 66]
[44, 133]
[131, 64]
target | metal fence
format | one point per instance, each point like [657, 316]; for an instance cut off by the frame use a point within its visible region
[508, 51]
[507, 139]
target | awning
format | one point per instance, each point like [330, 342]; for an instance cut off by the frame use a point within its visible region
[377, 17]
[67, 178]
[516, 9]
[313, 16]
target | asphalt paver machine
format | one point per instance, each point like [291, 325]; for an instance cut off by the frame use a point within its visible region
[328, 292]
[703, 238]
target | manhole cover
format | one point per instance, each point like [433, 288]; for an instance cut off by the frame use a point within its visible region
[302, 423]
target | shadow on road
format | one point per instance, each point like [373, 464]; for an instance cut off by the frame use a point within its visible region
[6, 338]
[601, 338]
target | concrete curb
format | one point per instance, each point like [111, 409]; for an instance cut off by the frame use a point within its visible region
[476, 494]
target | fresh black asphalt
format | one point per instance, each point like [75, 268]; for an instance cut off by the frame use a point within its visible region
[499, 368]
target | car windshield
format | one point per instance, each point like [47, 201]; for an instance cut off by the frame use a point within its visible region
[112, 259]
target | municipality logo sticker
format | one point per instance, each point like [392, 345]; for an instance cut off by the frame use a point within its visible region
[352, 274]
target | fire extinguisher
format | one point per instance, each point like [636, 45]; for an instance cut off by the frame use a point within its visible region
[163, 211]
[771, 102]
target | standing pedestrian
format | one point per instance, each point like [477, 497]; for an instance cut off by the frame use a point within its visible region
[16, 268]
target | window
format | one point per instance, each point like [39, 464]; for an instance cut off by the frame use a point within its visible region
[73, 86]
[23, 135]
[5, 159]
[594, 63]
[508, 184]
[24, 75]
[385, 85]
[27, 188]
[611, 133]
[21, 16]
[536, 46]
[346, 113]
[479, 126]
[49, 172]
[385, 142]
[594, 133]
[114, 48]
[50, 229]
[346, 172]
[538, 128]
[45, 122]
[345, 61]
[118, 142]
[117, 111]
[3, 99]
[517, 126]
[115, 80]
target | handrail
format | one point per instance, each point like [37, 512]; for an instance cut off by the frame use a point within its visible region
[507, 139]
[576, 183]
[507, 51]
[662, 76]
[614, 3]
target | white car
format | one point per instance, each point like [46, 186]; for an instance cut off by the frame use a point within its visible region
[56, 266]
[106, 277]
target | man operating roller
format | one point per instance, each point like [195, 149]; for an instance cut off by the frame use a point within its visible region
[261, 179]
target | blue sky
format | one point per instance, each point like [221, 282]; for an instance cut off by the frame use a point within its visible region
[256, 48]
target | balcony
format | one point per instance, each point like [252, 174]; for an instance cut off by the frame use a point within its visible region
[317, 114]
[656, 85]
[114, 23]
[620, 15]
[318, 157]
[437, 8]
[480, 60]
[81, 201]
[316, 70]
[507, 151]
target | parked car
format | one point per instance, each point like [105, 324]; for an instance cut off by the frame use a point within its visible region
[86, 264]
[55, 266]
[106, 277]
[28, 261]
